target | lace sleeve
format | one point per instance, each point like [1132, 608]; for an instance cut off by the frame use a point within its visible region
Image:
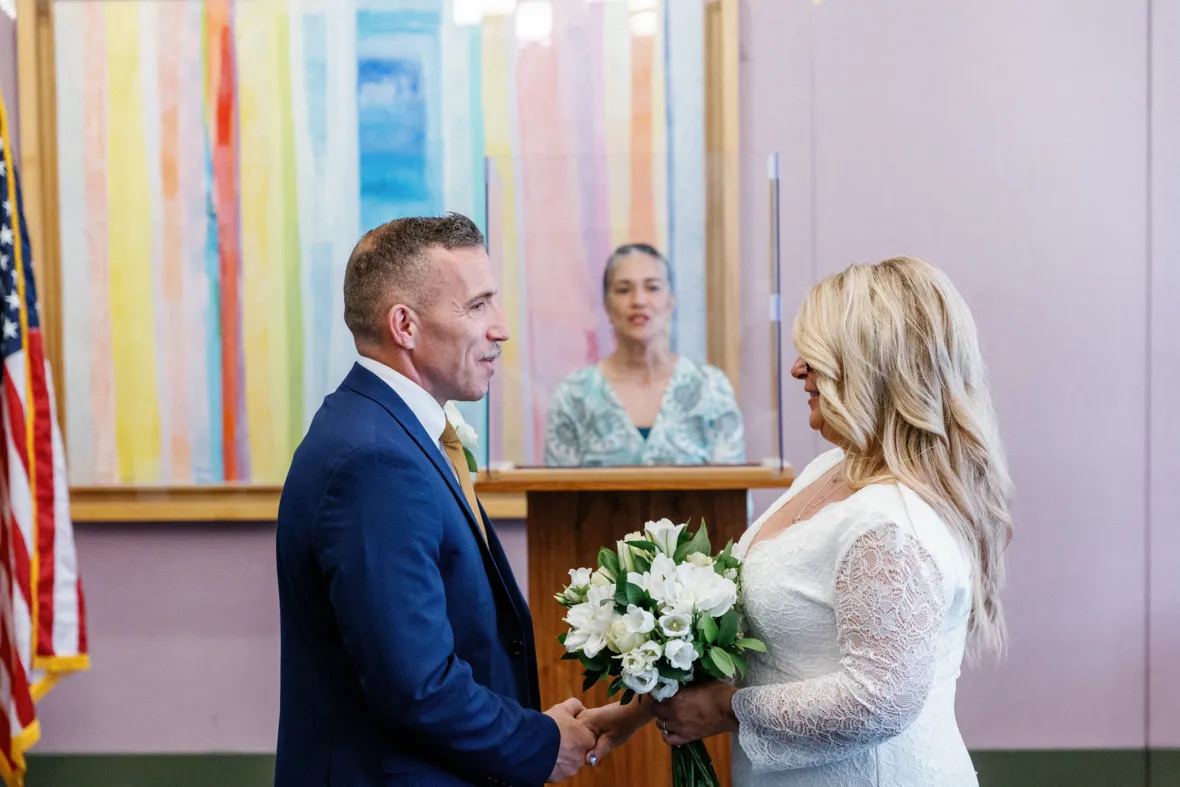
[888, 612]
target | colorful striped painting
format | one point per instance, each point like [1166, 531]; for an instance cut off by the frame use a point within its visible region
[219, 159]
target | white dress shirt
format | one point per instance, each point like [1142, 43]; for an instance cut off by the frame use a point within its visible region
[428, 412]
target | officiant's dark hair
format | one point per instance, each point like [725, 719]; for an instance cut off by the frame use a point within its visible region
[388, 266]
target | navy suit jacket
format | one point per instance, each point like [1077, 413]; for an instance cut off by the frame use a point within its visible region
[407, 648]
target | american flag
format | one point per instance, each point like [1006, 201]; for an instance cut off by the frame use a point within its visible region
[42, 615]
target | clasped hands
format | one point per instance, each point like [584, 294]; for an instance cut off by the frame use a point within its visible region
[588, 735]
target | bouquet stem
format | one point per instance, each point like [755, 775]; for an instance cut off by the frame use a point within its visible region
[693, 767]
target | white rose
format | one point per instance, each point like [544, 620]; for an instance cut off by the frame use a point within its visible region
[638, 621]
[700, 559]
[621, 640]
[641, 682]
[676, 624]
[589, 624]
[656, 581]
[704, 590]
[680, 654]
[642, 658]
[665, 689]
[664, 535]
[465, 431]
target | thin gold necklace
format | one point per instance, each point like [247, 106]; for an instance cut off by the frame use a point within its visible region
[833, 482]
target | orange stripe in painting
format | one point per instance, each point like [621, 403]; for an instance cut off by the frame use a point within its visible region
[643, 220]
[225, 198]
[173, 357]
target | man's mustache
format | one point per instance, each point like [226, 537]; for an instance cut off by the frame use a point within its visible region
[493, 355]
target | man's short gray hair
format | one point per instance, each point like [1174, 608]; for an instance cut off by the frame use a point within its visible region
[389, 266]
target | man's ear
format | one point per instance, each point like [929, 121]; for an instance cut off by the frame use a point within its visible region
[403, 326]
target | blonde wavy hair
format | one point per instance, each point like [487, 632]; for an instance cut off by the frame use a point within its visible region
[901, 380]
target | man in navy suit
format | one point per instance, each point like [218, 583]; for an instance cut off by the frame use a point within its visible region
[407, 647]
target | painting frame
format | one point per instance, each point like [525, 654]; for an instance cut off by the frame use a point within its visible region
[259, 502]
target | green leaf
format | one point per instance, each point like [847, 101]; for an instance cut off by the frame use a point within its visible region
[599, 663]
[739, 661]
[751, 644]
[708, 629]
[615, 686]
[636, 595]
[472, 465]
[570, 657]
[642, 564]
[591, 678]
[628, 695]
[646, 546]
[728, 551]
[711, 669]
[616, 668]
[609, 561]
[722, 660]
[700, 543]
[671, 673]
[728, 630]
[561, 637]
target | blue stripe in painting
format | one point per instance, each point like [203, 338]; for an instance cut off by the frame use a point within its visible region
[315, 83]
[216, 458]
[399, 102]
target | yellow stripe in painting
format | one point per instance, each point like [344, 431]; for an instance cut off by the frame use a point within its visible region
[497, 114]
[261, 296]
[659, 135]
[130, 216]
[290, 387]
[616, 60]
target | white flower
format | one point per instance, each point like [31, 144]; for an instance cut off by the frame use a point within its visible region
[636, 536]
[700, 559]
[655, 581]
[601, 578]
[627, 556]
[680, 654]
[641, 682]
[579, 577]
[701, 589]
[638, 621]
[664, 535]
[676, 624]
[601, 595]
[731, 574]
[642, 658]
[620, 640]
[589, 624]
[665, 689]
[465, 431]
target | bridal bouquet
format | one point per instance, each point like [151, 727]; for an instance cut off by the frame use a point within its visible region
[659, 612]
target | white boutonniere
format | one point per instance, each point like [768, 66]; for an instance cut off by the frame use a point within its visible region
[466, 432]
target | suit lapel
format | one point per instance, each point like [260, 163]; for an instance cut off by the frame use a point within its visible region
[361, 381]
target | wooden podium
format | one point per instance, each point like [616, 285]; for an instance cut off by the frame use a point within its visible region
[574, 512]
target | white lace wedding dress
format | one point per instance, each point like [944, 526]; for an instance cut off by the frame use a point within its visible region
[863, 609]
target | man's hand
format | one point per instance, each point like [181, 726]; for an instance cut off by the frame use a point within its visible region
[614, 724]
[576, 739]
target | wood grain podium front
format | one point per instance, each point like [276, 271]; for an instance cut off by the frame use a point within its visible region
[574, 512]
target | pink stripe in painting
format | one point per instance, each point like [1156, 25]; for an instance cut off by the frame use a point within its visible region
[102, 370]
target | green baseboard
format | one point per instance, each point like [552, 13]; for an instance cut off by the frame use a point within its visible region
[1068, 768]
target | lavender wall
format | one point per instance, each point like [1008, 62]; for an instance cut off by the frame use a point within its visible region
[1165, 378]
[1006, 141]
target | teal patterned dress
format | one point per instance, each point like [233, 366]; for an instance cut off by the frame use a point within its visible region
[698, 424]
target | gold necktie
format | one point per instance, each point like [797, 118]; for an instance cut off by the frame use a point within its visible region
[454, 449]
